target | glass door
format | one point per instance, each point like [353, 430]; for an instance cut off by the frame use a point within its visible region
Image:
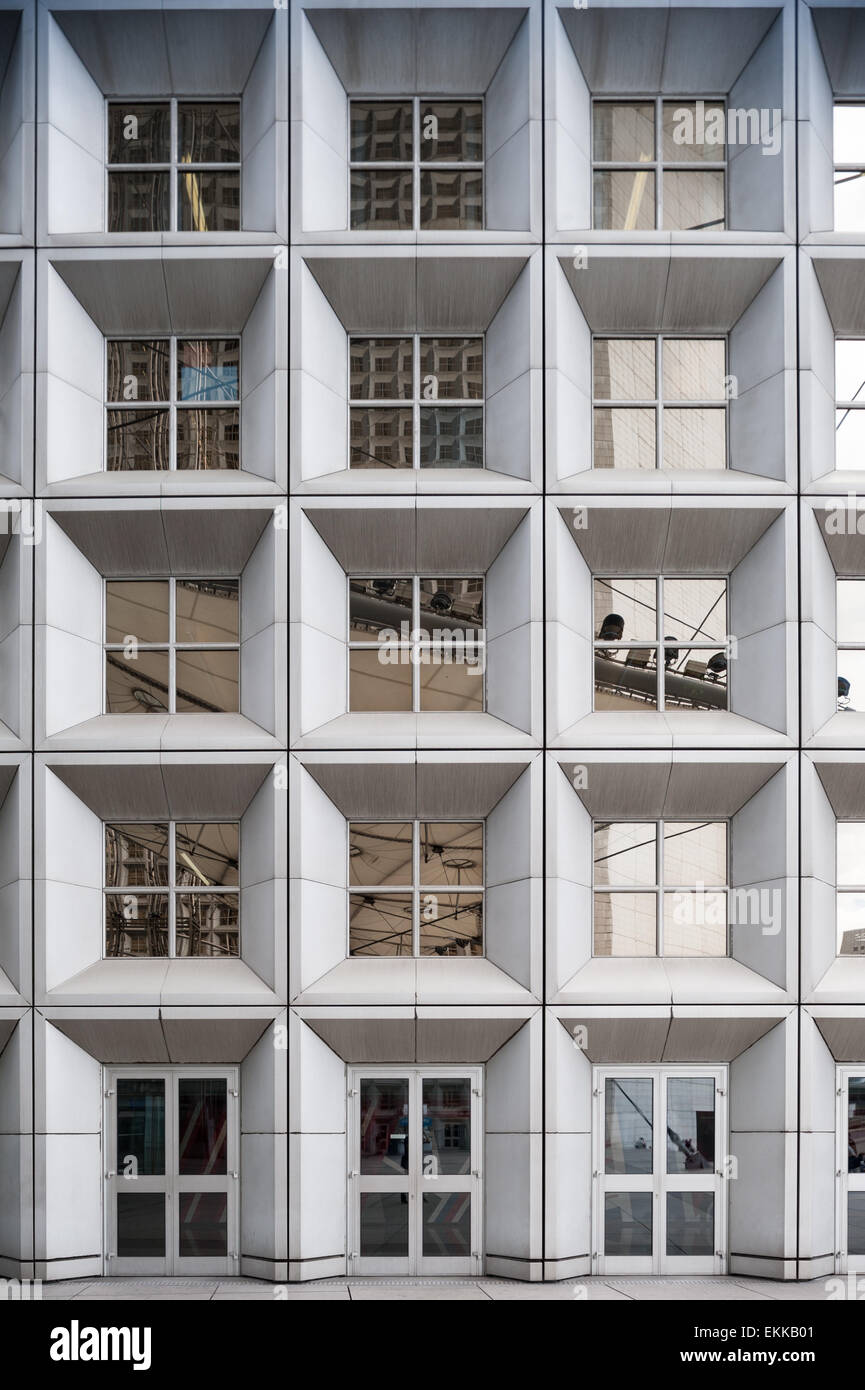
[850, 1168]
[659, 1195]
[172, 1184]
[415, 1171]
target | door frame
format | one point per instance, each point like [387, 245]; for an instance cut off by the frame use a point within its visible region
[845, 1181]
[658, 1182]
[172, 1183]
[416, 1183]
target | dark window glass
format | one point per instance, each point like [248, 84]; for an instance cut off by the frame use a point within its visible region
[137, 608]
[380, 924]
[384, 1224]
[207, 610]
[206, 924]
[136, 856]
[381, 131]
[141, 1225]
[141, 1125]
[138, 370]
[452, 605]
[690, 1223]
[208, 132]
[628, 1125]
[206, 854]
[380, 854]
[381, 199]
[138, 439]
[384, 1126]
[137, 684]
[202, 1125]
[208, 369]
[136, 924]
[451, 437]
[209, 202]
[451, 199]
[208, 439]
[378, 604]
[138, 202]
[451, 369]
[628, 1223]
[447, 1224]
[381, 437]
[381, 369]
[451, 132]
[139, 132]
[207, 682]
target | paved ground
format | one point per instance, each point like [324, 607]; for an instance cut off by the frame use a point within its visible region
[479, 1290]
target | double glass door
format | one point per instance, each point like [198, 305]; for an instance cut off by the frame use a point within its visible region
[659, 1191]
[415, 1180]
[171, 1171]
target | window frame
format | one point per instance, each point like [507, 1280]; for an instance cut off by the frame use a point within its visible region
[173, 166]
[174, 403]
[658, 166]
[415, 164]
[416, 402]
[660, 888]
[660, 403]
[844, 405]
[658, 644]
[846, 646]
[171, 645]
[846, 888]
[415, 888]
[477, 647]
[842, 166]
[171, 889]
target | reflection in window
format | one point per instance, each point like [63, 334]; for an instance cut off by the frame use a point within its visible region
[171, 646]
[660, 644]
[416, 403]
[850, 898]
[659, 402]
[850, 403]
[416, 888]
[849, 159]
[658, 165]
[416, 644]
[417, 164]
[188, 181]
[660, 888]
[856, 1125]
[850, 642]
[172, 889]
[173, 403]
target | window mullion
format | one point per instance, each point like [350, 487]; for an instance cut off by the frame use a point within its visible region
[415, 390]
[659, 166]
[172, 891]
[172, 409]
[659, 408]
[415, 873]
[659, 880]
[660, 639]
[172, 641]
[172, 167]
[415, 650]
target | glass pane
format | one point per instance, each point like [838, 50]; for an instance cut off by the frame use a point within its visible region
[451, 853]
[451, 200]
[695, 610]
[694, 201]
[695, 853]
[851, 924]
[208, 369]
[452, 605]
[381, 438]
[451, 438]
[623, 131]
[203, 1224]
[695, 438]
[379, 605]
[693, 369]
[380, 853]
[381, 200]
[138, 202]
[208, 439]
[850, 369]
[136, 684]
[695, 924]
[381, 130]
[625, 609]
[140, 1126]
[850, 437]
[625, 924]
[207, 682]
[624, 853]
[207, 925]
[138, 439]
[849, 134]
[451, 924]
[856, 1124]
[136, 924]
[695, 679]
[209, 202]
[451, 131]
[690, 1223]
[136, 856]
[381, 369]
[380, 680]
[138, 371]
[136, 608]
[628, 1124]
[202, 1125]
[384, 1126]
[206, 854]
[851, 853]
[690, 1124]
[384, 1224]
[624, 438]
[380, 924]
[447, 1224]
[624, 369]
[849, 201]
[856, 1223]
[139, 132]
[140, 1225]
[851, 669]
[628, 1223]
[208, 132]
[447, 1125]
[207, 610]
[690, 136]
[850, 596]
[452, 369]
[623, 200]
[626, 679]
[451, 677]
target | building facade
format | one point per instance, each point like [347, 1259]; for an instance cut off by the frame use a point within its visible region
[432, 578]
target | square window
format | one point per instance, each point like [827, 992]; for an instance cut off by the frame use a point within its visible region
[416, 164]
